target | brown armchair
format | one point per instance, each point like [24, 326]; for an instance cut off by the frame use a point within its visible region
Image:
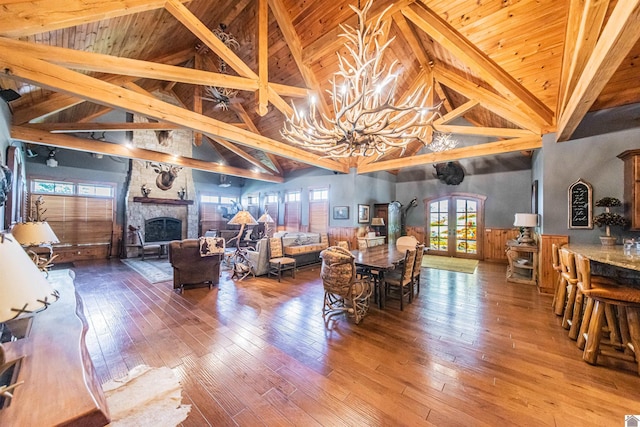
[189, 268]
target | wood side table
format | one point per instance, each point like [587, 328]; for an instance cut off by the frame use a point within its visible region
[523, 263]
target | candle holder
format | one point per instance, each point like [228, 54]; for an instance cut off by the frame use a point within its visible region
[181, 193]
[145, 190]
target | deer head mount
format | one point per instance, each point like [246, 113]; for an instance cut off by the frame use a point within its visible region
[167, 174]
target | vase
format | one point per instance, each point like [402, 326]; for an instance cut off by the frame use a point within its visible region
[607, 240]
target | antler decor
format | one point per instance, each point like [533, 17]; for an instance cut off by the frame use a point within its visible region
[367, 120]
[166, 174]
[222, 96]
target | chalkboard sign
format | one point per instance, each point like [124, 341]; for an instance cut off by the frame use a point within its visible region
[580, 205]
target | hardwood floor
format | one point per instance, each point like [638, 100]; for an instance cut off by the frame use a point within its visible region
[470, 350]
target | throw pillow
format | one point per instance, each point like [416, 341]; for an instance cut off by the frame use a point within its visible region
[211, 246]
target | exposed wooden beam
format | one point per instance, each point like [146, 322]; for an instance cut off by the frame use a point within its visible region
[60, 101]
[89, 61]
[243, 154]
[244, 116]
[458, 112]
[34, 136]
[479, 150]
[24, 18]
[584, 24]
[619, 35]
[487, 69]
[197, 97]
[101, 127]
[488, 99]
[295, 46]
[182, 14]
[263, 57]
[330, 41]
[483, 131]
[57, 78]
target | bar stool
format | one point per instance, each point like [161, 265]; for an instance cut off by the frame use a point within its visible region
[569, 279]
[626, 299]
[560, 295]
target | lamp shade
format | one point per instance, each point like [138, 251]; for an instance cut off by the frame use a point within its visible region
[34, 233]
[23, 288]
[265, 217]
[377, 221]
[526, 220]
[243, 218]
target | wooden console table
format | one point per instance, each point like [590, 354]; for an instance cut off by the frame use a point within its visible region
[60, 384]
[523, 263]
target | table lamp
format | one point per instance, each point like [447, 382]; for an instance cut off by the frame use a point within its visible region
[242, 218]
[266, 219]
[377, 222]
[36, 233]
[526, 221]
[23, 289]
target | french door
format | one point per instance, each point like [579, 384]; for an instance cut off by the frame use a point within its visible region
[455, 225]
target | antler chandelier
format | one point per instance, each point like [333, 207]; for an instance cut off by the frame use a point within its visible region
[367, 120]
[222, 96]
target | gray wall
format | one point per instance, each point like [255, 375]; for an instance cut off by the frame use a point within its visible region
[594, 159]
[344, 189]
[504, 179]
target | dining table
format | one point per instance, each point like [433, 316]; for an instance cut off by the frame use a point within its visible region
[381, 259]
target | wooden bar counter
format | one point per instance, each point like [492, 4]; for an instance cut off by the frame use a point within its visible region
[612, 255]
[60, 385]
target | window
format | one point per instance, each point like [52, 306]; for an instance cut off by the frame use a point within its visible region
[271, 198]
[292, 196]
[318, 210]
[40, 186]
[215, 212]
[318, 194]
[292, 211]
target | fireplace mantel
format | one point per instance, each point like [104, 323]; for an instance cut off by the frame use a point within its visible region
[159, 201]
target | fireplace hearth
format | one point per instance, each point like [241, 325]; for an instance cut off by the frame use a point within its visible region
[162, 229]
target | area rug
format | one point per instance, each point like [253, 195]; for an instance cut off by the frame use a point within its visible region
[459, 265]
[154, 270]
[146, 397]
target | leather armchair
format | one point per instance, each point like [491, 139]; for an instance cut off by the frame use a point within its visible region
[189, 268]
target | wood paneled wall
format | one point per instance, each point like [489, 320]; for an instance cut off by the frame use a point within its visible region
[547, 277]
[495, 243]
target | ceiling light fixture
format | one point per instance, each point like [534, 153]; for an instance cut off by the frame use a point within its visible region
[222, 96]
[367, 121]
[441, 142]
[51, 159]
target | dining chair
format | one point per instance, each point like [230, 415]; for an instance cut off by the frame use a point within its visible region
[278, 263]
[417, 270]
[405, 242]
[343, 291]
[398, 283]
[570, 279]
[560, 294]
[600, 294]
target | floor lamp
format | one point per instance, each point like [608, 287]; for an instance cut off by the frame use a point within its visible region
[266, 219]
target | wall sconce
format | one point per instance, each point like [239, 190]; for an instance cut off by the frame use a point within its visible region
[145, 190]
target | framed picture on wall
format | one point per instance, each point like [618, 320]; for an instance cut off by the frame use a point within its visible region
[341, 212]
[364, 214]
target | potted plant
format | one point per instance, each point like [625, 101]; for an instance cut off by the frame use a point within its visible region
[609, 219]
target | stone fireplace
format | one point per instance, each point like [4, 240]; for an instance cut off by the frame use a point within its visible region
[150, 203]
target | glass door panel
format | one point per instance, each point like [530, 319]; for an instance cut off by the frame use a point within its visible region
[453, 224]
[439, 225]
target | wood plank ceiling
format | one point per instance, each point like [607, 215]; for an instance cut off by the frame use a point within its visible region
[514, 69]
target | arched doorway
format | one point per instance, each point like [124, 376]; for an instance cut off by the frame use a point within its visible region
[455, 225]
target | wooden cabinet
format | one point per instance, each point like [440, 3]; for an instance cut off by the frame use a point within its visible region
[523, 263]
[369, 242]
[631, 160]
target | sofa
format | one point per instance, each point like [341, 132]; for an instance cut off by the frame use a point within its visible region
[189, 268]
[304, 247]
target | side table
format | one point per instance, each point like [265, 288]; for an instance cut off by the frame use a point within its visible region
[523, 263]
